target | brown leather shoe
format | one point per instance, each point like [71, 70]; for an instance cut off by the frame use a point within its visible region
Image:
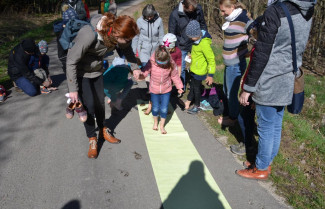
[92, 153]
[248, 164]
[253, 173]
[108, 137]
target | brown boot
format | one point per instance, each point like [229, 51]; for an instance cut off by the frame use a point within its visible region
[92, 153]
[248, 164]
[253, 173]
[103, 133]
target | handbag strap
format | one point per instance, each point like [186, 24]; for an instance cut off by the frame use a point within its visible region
[293, 37]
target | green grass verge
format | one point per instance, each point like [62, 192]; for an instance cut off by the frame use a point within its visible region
[42, 33]
[299, 169]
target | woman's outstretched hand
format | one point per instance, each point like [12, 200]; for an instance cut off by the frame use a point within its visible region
[136, 74]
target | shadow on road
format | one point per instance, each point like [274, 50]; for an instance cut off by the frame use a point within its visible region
[73, 204]
[193, 192]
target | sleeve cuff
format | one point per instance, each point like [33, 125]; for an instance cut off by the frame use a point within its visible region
[250, 89]
[134, 66]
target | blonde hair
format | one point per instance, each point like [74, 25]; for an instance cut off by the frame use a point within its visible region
[229, 3]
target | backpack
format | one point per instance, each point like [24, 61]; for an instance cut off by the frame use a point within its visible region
[70, 32]
[3, 93]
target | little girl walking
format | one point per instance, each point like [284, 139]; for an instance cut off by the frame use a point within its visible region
[163, 72]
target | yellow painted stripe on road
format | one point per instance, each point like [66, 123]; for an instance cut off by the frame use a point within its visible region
[183, 180]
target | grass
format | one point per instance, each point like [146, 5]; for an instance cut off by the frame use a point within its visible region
[298, 169]
[44, 32]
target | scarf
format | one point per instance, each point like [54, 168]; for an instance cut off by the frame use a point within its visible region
[231, 17]
[99, 27]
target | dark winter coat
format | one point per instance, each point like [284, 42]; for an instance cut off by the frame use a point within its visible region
[178, 21]
[18, 66]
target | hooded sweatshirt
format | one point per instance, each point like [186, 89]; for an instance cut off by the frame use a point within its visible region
[150, 37]
[270, 77]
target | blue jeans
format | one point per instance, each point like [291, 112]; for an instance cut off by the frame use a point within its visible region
[27, 87]
[183, 72]
[269, 119]
[160, 104]
[232, 77]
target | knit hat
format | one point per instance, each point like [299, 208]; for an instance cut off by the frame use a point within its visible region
[193, 29]
[169, 40]
[43, 47]
[29, 45]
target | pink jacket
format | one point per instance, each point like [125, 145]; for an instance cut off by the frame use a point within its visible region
[160, 78]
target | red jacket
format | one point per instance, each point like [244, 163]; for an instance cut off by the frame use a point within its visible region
[161, 79]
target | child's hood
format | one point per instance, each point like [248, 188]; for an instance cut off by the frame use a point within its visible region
[206, 34]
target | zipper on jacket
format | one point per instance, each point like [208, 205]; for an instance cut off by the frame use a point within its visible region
[161, 79]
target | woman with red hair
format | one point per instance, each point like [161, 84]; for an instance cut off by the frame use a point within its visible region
[85, 69]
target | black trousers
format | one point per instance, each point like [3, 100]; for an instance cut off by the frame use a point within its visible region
[91, 94]
[62, 54]
[195, 91]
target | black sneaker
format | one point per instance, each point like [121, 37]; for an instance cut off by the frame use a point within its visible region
[238, 149]
[193, 110]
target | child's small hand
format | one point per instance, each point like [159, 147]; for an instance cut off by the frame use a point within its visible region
[180, 91]
[209, 80]
[109, 101]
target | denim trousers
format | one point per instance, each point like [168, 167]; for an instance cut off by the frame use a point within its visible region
[269, 119]
[27, 86]
[183, 72]
[160, 104]
[232, 77]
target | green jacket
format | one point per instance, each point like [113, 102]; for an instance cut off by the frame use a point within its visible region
[203, 60]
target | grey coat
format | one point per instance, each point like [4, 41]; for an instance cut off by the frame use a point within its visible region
[85, 58]
[150, 36]
[270, 77]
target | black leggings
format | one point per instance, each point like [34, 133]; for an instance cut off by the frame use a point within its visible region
[195, 91]
[62, 54]
[91, 94]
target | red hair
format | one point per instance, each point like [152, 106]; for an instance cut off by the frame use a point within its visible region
[125, 27]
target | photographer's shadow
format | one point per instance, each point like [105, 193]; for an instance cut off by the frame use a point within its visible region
[193, 192]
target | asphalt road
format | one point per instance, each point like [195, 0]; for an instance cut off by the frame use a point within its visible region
[44, 164]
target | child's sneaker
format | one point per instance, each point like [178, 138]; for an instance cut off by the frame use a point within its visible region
[193, 110]
[204, 105]
[44, 90]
